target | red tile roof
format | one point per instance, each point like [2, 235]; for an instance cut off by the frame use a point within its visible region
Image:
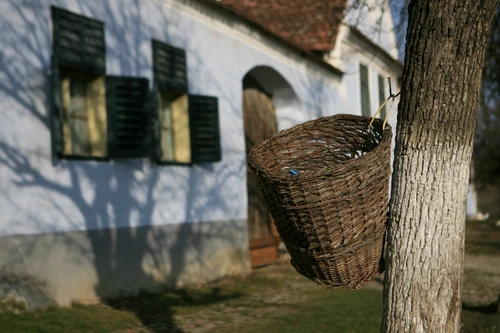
[311, 25]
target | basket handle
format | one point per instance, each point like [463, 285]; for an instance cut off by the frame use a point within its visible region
[380, 109]
[391, 96]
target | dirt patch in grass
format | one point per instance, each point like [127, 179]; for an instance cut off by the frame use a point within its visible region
[269, 290]
[277, 299]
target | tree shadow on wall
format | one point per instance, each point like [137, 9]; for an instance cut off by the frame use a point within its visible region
[112, 202]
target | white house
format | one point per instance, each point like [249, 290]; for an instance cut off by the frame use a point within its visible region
[125, 125]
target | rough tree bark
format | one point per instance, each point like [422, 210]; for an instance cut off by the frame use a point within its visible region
[446, 42]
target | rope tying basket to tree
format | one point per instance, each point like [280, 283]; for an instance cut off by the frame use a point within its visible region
[326, 183]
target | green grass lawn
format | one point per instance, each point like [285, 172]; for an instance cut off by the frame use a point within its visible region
[272, 300]
[337, 311]
[77, 319]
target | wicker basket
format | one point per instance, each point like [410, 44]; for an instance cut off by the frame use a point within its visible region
[326, 183]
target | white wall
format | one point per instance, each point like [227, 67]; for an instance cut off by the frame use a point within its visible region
[39, 194]
[471, 207]
[374, 19]
[349, 53]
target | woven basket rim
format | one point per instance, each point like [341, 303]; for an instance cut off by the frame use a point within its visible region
[333, 167]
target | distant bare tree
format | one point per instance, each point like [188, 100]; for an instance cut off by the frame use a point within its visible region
[487, 140]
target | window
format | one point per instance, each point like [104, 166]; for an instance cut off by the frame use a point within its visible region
[175, 141]
[365, 91]
[84, 124]
[166, 127]
[381, 95]
[78, 84]
[94, 116]
[187, 126]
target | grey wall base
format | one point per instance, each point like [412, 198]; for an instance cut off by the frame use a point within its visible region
[85, 266]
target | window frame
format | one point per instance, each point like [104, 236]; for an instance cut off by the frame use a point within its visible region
[77, 62]
[158, 132]
[382, 96]
[170, 79]
[364, 89]
[89, 81]
[168, 62]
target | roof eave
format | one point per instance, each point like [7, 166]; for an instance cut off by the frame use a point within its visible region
[307, 54]
[386, 55]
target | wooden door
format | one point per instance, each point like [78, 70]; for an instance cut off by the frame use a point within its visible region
[260, 122]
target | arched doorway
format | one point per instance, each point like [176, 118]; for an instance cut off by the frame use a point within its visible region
[263, 89]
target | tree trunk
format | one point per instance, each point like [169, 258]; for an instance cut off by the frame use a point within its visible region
[445, 48]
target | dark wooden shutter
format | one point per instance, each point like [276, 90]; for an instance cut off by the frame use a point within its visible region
[381, 95]
[129, 121]
[204, 127]
[57, 142]
[365, 91]
[169, 67]
[155, 123]
[78, 41]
